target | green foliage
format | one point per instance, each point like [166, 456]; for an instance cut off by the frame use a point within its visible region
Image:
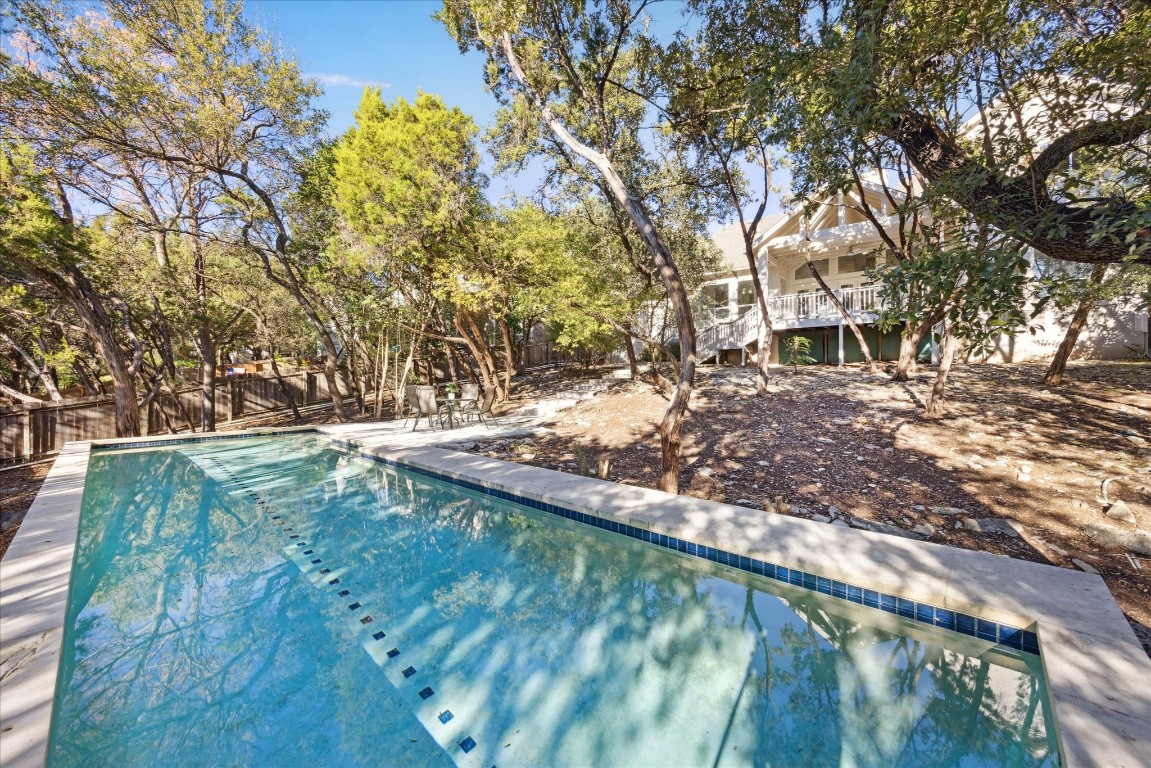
[797, 351]
[993, 99]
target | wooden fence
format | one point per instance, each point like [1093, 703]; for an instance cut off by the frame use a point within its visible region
[30, 432]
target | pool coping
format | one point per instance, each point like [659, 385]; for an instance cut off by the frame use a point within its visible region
[1083, 635]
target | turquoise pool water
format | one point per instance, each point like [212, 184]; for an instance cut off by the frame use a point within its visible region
[277, 602]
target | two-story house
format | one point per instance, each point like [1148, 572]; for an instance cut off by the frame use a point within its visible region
[842, 245]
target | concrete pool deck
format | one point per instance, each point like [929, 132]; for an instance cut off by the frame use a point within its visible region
[1098, 675]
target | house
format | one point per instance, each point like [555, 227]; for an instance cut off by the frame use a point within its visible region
[843, 245]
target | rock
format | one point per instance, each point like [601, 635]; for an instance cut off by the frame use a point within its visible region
[918, 507]
[903, 479]
[891, 530]
[1084, 566]
[871, 446]
[927, 530]
[948, 511]
[889, 450]
[762, 463]
[705, 472]
[840, 523]
[1135, 439]
[744, 502]
[1111, 537]
[994, 525]
[1025, 469]
[833, 511]
[1120, 511]
[527, 456]
[821, 518]
[464, 446]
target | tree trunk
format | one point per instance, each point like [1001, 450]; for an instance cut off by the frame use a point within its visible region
[383, 359]
[207, 380]
[470, 331]
[1054, 376]
[509, 360]
[869, 364]
[936, 405]
[205, 340]
[632, 364]
[40, 370]
[908, 346]
[283, 384]
[72, 284]
[16, 394]
[671, 426]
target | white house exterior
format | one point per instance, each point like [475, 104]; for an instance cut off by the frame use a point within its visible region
[843, 244]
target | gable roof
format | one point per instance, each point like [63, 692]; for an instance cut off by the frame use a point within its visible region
[729, 240]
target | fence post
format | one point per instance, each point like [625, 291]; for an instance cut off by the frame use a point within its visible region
[27, 434]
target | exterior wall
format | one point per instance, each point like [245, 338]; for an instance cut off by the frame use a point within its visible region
[1114, 330]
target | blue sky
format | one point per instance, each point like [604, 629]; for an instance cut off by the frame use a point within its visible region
[394, 44]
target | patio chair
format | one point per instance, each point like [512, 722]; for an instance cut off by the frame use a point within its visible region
[478, 410]
[469, 393]
[423, 402]
[409, 405]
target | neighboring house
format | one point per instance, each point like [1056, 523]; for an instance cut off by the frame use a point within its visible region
[843, 245]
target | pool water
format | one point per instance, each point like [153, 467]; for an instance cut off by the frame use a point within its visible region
[279, 601]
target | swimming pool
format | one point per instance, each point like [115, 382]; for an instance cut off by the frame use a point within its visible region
[281, 601]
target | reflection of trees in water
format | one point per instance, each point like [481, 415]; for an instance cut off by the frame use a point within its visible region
[891, 700]
[538, 590]
[186, 633]
[203, 615]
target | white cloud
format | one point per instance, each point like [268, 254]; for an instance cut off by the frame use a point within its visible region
[345, 81]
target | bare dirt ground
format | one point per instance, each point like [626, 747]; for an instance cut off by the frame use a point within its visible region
[840, 445]
[844, 447]
[18, 486]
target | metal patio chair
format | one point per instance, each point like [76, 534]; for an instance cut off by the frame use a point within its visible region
[481, 411]
[423, 402]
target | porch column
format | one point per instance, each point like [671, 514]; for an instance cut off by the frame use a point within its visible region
[840, 342]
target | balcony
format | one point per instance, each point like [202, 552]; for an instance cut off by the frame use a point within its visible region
[815, 305]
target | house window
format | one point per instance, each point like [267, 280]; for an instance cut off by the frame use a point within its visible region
[855, 262]
[714, 298]
[745, 296]
[803, 273]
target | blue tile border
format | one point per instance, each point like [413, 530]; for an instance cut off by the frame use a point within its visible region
[925, 613]
[179, 440]
[1001, 634]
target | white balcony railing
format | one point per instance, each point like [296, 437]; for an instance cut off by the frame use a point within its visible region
[715, 333]
[816, 304]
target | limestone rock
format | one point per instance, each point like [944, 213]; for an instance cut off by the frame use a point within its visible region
[947, 510]
[705, 472]
[994, 525]
[1111, 537]
[1084, 566]
[833, 511]
[1120, 511]
[821, 518]
[891, 530]
[927, 530]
